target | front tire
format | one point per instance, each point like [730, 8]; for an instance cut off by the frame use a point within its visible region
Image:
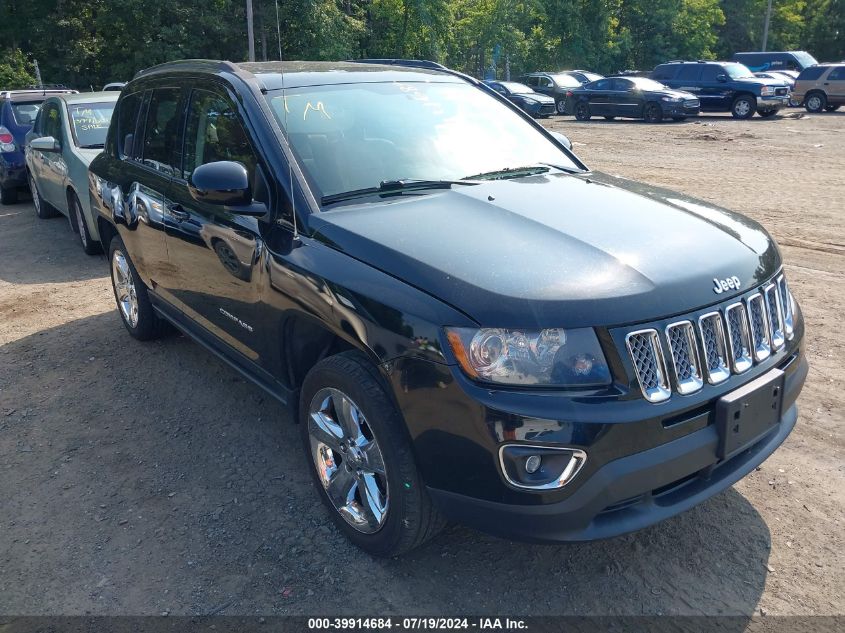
[582, 111]
[767, 113]
[831, 108]
[361, 460]
[653, 113]
[743, 107]
[8, 195]
[815, 102]
[42, 209]
[89, 244]
[130, 293]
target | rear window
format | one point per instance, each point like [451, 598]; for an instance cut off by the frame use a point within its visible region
[26, 111]
[91, 123]
[665, 71]
[837, 74]
[690, 72]
[812, 73]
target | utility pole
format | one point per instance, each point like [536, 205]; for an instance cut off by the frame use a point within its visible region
[249, 30]
[766, 26]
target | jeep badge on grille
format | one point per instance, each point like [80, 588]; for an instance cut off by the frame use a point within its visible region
[722, 285]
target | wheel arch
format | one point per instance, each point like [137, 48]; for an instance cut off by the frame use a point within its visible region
[107, 231]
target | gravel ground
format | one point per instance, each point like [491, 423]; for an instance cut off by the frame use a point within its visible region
[149, 478]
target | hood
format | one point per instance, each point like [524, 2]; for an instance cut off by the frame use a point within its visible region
[536, 96]
[87, 155]
[777, 83]
[555, 250]
[679, 94]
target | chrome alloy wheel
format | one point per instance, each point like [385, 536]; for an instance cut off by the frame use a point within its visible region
[742, 107]
[348, 460]
[814, 103]
[124, 288]
[80, 223]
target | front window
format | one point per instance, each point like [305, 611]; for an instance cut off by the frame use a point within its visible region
[349, 137]
[805, 59]
[26, 111]
[738, 71]
[90, 123]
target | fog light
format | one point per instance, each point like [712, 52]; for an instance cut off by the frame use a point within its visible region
[540, 467]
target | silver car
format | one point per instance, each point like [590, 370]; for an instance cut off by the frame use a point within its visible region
[69, 132]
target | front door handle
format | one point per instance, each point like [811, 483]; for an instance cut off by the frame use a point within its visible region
[179, 213]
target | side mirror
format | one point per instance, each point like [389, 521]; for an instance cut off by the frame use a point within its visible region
[723, 78]
[562, 139]
[45, 144]
[225, 183]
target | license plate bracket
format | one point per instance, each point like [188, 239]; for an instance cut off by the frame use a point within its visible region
[749, 412]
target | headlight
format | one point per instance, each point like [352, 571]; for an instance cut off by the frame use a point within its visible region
[518, 357]
[766, 91]
[672, 99]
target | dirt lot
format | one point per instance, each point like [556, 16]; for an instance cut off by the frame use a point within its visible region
[149, 478]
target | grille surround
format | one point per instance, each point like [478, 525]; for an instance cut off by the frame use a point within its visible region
[738, 337]
[683, 351]
[713, 344]
[649, 365]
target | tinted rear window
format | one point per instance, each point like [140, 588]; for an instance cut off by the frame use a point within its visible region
[689, 72]
[666, 71]
[26, 111]
[811, 73]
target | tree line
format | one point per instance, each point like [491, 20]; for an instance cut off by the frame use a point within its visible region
[84, 43]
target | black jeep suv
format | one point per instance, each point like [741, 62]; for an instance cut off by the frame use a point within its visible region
[467, 325]
[725, 87]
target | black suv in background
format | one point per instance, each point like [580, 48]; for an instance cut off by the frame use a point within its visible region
[725, 87]
[466, 325]
[555, 85]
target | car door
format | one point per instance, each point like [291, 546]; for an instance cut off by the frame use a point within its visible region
[624, 99]
[834, 86]
[599, 95]
[52, 168]
[214, 252]
[545, 86]
[148, 124]
[715, 93]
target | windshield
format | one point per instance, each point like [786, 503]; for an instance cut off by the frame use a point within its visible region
[349, 137]
[805, 59]
[566, 81]
[91, 122]
[738, 71]
[518, 88]
[26, 111]
[644, 83]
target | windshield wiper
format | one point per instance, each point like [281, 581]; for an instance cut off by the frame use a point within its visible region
[519, 172]
[390, 186]
[94, 146]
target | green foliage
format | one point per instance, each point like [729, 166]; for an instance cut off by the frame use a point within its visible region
[15, 70]
[90, 42]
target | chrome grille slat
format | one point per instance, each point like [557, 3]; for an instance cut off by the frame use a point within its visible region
[649, 365]
[759, 326]
[786, 306]
[715, 349]
[739, 338]
[683, 351]
[773, 307]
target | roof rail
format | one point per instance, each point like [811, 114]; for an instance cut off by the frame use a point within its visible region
[186, 63]
[7, 94]
[411, 63]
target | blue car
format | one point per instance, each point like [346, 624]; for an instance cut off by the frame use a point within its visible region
[18, 109]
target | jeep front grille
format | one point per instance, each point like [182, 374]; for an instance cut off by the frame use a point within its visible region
[647, 354]
[683, 351]
[725, 341]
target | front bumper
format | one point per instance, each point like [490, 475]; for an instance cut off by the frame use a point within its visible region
[680, 109]
[773, 102]
[12, 170]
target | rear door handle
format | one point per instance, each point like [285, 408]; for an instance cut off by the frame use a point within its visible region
[178, 212]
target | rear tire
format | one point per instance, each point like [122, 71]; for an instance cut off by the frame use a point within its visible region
[582, 111]
[8, 195]
[815, 102]
[653, 113]
[380, 504]
[130, 293]
[743, 107]
[560, 106]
